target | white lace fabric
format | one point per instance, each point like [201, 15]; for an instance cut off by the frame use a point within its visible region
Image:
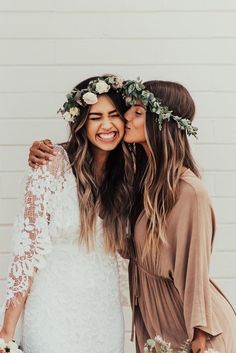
[31, 228]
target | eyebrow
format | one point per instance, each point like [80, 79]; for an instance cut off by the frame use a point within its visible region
[100, 114]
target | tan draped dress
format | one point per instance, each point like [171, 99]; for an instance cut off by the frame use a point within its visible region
[173, 295]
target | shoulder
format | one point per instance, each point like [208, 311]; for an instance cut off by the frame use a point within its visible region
[61, 154]
[60, 164]
[192, 189]
[58, 167]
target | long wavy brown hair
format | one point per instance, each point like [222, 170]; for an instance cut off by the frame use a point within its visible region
[111, 199]
[158, 175]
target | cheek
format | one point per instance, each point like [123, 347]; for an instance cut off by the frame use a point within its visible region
[90, 130]
[121, 127]
[139, 125]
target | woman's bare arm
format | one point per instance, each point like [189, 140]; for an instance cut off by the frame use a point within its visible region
[11, 318]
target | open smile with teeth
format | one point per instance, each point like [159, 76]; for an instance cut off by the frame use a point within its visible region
[107, 136]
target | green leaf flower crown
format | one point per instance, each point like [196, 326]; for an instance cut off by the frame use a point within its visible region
[135, 90]
[131, 92]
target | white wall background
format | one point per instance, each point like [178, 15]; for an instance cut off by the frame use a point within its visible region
[48, 46]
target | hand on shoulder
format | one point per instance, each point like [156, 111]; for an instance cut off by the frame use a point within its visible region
[40, 153]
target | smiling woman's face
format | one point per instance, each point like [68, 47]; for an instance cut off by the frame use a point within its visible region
[135, 126]
[104, 126]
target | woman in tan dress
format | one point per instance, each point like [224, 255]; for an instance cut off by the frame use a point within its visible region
[173, 228]
[172, 224]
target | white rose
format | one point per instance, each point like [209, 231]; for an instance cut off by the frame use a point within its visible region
[74, 111]
[90, 98]
[68, 117]
[102, 87]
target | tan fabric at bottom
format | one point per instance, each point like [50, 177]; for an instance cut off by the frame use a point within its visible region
[173, 295]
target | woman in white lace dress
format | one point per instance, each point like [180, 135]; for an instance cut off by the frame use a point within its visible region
[64, 268]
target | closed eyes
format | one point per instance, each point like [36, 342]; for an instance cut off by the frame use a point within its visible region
[95, 118]
[100, 117]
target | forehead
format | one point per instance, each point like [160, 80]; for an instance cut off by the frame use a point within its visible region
[104, 104]
[139, 103]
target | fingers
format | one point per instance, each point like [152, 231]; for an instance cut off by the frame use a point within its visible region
[39, 155]
[48, 142]
[48, 147]
[35, 162]
[45, 146]
[32, 165]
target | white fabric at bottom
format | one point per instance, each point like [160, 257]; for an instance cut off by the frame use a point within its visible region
[74, 305]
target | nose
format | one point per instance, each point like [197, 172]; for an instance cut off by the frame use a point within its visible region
[127, 116]
[106, 123]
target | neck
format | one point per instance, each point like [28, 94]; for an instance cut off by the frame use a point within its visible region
[100, 159]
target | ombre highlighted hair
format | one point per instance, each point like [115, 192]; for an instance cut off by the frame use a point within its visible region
[112, 199]
[158, 175]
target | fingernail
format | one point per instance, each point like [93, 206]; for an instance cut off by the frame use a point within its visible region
[55, 153]
[51, 158]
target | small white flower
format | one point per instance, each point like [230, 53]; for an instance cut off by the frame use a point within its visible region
[90, 98]
[68, 117]
[74, 111]
[13, 346]
[102, 87]
[118, 82]
[158, 339]
[2, 343]
[128, 99]
[210, 350]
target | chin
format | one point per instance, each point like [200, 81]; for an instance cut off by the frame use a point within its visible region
[128, 140]
[107, 147]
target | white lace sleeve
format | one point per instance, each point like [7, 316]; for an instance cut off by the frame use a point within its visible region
[31, 229]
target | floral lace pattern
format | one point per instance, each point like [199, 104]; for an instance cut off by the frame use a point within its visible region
[32, 240]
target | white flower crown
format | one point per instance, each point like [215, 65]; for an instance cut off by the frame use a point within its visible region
[88, 96]
[131, 92]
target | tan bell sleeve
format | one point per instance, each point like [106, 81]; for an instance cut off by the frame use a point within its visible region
[194, 234]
